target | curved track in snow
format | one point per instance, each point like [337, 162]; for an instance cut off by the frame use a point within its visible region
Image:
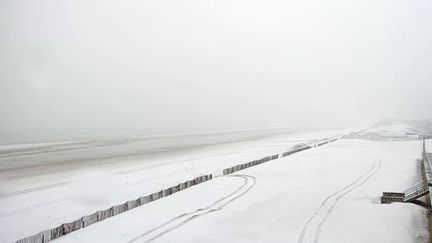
[182, 219]
[312, 229]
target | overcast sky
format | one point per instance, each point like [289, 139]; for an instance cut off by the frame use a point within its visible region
[92, 68]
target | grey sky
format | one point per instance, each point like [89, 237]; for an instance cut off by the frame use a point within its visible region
[91, 68]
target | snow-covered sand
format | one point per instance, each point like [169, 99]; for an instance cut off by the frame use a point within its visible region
[326, 194]
[45, 185]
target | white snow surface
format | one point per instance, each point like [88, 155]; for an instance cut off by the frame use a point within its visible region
[45, 185]
[326, 194]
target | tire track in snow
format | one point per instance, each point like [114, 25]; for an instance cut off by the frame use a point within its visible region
[190, 168]
[319, 229]
[182, 219]
[329, 203]
[32, 207]
[33, 189]
[49, 149]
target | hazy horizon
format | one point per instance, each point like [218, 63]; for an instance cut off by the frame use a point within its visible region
[90, 68]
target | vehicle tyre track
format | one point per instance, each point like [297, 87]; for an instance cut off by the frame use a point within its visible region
[190, 168]
[172, 224]
[329, 204]
[33, 189]
[35, 206]
[319, 229]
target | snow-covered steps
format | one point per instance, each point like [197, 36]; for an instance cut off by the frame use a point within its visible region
[416, 192]
[409, 195]
[389, 197]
